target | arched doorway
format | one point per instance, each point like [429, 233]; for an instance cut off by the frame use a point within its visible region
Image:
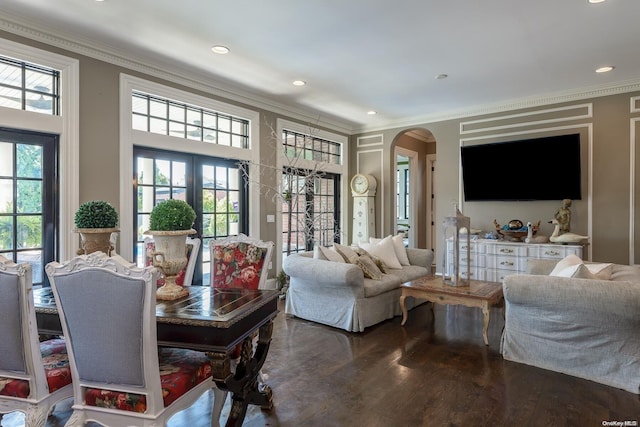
[413, 168]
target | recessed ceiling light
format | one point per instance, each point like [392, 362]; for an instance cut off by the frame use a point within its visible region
[220, 49]
[299, 83]
[441, 76]
[605, 69]
[372, 113]
[596, 1]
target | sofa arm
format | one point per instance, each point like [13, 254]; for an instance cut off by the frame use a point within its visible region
[420, 257]
[575, 300]
[322, 273]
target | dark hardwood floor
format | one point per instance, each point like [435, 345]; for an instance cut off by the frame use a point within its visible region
[427, 373]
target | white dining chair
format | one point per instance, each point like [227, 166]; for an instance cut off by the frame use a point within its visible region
[121, 376]
[34, 375]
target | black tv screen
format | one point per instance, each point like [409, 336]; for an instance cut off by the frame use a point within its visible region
[532, 169]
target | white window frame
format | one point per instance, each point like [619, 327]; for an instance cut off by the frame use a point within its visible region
[130, 136]
[341, 169]
[66, 126]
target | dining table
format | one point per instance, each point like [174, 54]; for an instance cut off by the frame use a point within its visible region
[215, 321]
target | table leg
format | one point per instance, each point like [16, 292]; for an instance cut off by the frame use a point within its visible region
[243, 382]
[404, 310]
[485, 321]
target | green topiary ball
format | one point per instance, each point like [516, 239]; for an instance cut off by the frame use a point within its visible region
[96, 214]
[172, 214]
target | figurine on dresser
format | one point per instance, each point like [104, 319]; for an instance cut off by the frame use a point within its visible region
[563, 216]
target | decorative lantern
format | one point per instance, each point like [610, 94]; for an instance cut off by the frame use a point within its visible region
[456, 241]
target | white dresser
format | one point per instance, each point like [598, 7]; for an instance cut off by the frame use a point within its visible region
[492, 260]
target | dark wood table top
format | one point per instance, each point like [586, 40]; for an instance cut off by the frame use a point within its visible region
[208, 319]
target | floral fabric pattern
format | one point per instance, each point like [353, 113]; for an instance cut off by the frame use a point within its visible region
[56, 368]
[238, 265]
[180, 371]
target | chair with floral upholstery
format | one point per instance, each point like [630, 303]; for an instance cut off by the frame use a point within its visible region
[34, 375]
[240, 262]
[121, 376]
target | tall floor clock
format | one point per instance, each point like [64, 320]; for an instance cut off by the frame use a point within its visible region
[363, 190]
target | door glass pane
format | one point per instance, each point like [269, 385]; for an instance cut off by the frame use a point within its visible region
[163, 172]
[179, 174]
[145, 170]
[6, 233]
[29, 231]
[6, 159]
[29, 161]
[29, 196]
[6, 196]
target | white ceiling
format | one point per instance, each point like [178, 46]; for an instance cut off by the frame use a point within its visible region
[360, 55]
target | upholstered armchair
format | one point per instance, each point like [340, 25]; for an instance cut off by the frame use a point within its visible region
[34, 375]
[240, 262]
[121, 376]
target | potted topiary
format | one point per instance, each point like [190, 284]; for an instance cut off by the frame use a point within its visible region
[170, 223]
[95, 221]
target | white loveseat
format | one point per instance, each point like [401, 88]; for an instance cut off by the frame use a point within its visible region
[338, 294]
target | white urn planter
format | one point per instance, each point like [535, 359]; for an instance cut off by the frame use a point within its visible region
[170, 257]
[95, 239]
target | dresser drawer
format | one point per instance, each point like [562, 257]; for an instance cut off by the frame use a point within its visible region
[507, 262]
[511, 250]
[558, 251]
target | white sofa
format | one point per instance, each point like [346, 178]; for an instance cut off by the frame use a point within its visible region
[337, 294]
[588, 328]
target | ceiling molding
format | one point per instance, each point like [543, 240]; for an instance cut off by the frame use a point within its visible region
[230, 92]
[512, 105]
[192, 81]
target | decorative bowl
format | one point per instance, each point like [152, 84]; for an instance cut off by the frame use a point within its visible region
[516, 235]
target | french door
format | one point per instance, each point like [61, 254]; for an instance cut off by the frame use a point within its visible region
[29, 199]
[214, 187]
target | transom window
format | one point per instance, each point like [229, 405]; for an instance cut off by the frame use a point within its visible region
[300, 146]
[30, 87]
[163, 116]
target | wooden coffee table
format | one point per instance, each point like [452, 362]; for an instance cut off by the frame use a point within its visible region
[478, 294]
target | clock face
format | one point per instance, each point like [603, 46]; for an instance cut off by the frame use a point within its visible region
[360, 184]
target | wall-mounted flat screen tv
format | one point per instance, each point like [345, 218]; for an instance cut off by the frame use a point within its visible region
[532, 169]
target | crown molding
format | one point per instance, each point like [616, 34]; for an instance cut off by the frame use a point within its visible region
[512, 105]
[234, 93]
[177, 76]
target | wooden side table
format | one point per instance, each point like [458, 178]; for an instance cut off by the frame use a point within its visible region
[478, 294]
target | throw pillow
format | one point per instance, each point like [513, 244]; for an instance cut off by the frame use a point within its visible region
[601, 270]
[577, 271]
[317, 253]
[369, 268]
[331, 254]
[347, 253]
[401, 251]
[378, 262]
[564, 263]
[385, 250]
